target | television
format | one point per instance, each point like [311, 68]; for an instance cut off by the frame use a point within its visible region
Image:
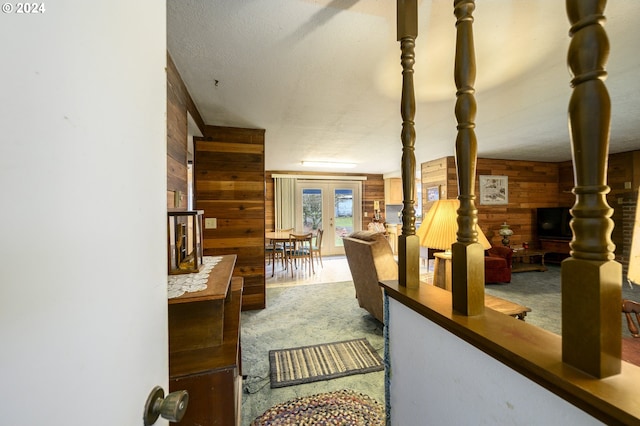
[553, 223]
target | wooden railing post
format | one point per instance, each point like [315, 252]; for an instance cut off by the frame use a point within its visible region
[467, 255]
[591, 279]
[408, 242]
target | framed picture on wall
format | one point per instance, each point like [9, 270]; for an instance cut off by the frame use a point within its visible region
[494, 190]
[433, 193]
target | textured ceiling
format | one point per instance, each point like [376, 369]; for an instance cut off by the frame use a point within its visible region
[324, 77]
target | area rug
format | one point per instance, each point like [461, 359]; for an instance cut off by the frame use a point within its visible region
[308, 364]
[344, 407]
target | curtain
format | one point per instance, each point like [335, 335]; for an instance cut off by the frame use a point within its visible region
[285, 206]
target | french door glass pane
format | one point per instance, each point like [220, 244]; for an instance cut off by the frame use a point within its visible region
[331, 206]
[311, 209]
[343, 202]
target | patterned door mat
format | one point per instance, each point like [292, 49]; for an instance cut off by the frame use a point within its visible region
[314, 363]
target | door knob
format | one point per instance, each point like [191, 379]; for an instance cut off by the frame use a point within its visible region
[171, 408]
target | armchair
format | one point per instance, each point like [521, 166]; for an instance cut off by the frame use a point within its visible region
[370, 260]
[497, 265]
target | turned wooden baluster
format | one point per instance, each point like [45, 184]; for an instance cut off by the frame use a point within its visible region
[408, 242]
[591, 279]
[467, 255]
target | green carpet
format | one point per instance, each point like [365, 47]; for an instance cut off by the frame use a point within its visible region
[312, 314]
[302, 316]
[540, 291]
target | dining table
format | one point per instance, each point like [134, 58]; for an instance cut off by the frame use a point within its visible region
[279, 237]
[275, 238]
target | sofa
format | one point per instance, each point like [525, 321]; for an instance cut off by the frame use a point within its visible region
[497, 265]
[370, 260]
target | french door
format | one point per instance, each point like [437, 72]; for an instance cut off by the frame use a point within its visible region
[334, 206]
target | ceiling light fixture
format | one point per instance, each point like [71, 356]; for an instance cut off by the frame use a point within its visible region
[328, 164]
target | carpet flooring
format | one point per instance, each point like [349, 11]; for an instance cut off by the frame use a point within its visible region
[312, 314]
[302, 316]
[540, 291]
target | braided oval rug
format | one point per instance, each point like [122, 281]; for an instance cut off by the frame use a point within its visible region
[344, 408]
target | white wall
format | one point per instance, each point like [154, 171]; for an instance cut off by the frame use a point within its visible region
[438, 379]
[83, 172]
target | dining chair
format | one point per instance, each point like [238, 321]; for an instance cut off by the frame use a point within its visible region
[284, 244]
[268, 250]
[274, 252]
[316, 247]
[297, 249]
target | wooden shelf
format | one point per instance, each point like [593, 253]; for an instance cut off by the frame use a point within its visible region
[196, 319]
[209, 369]
[214, 357]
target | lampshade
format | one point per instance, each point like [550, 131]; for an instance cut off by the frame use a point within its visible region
[633, 274]
[440, 225]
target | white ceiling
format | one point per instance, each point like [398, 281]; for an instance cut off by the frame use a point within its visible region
[323, 77]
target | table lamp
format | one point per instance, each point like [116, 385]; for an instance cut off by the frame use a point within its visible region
[440, 226]
[505, 232]
[438, 231]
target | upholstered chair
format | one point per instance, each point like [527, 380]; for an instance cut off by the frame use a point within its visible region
[370, 260]
[497, 265]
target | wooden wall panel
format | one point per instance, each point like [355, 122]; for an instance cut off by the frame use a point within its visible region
[620, 179]
[566, 183]
[452, 179]
[178, 103]
[531, 184]
[540, 184]
[269, 205]
[433, 174]
[176, 177]
[372, 190]
[229, 185]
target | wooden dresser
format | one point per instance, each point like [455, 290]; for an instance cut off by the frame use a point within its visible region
[204, 348]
